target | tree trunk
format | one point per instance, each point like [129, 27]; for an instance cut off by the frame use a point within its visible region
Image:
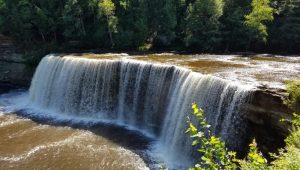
[110, 33]
[42, 35]
[82, 26]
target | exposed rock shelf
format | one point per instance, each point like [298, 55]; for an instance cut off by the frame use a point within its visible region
[13, 69]
[265, 112]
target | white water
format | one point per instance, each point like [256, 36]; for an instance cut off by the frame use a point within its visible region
[153, 98]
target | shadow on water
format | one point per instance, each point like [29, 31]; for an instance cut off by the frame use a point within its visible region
[129, 139]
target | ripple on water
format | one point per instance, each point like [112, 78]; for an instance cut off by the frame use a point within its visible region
[27, 145]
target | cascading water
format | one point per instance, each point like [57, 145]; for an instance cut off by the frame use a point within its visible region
[154, 98]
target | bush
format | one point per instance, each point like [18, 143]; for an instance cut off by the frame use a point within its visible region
[214, 154]
[213, 151]
[293, 88]
[254, 160]
[289, 157]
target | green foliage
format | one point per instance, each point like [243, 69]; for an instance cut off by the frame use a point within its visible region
[202, 24]
[214, 154]
[254, 160]
[289, 157]
[293, 88]
[294, 138]
[261, 13]
[195, 25]
[161, 22]
[232, 25]
[107, 9]
[285, 31]
[73, 21]
[213, 150]
[133, 24]
[295, 121]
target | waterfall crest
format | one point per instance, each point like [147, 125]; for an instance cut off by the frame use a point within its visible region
[154, 98]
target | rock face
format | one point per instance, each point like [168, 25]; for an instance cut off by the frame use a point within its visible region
[13, 69]
[265, 112]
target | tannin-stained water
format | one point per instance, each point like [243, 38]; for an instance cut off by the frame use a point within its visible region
[25, 144]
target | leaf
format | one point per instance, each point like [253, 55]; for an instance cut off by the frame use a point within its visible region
[260, 160]
[195, 142]
[199, 134]
[201, 150]
[192, 128]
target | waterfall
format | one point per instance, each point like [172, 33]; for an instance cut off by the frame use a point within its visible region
[154, 98]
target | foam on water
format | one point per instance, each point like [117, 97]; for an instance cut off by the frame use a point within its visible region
[69, 144]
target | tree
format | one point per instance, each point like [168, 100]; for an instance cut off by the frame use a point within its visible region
[107, 8]
[47, 18]
[73, 20]
[202, 24]
[162, 22]
[133, 23]
[232, 26]
[256, 21]
[285, 32]
[193, 25]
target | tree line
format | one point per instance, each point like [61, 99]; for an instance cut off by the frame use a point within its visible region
[184, 25]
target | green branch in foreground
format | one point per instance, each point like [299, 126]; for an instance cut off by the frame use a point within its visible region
[214, 154]
[213, 150]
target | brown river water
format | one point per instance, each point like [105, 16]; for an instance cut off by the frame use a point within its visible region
[25, 144]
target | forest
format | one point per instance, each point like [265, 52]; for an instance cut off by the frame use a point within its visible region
[208, 26]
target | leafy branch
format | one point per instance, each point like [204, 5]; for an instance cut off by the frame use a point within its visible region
[213, 150]
[214, 154]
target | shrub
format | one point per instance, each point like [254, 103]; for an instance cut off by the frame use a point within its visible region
[254, 160]
[214, 154]
[293, 88]
[289, 157]
[213, 150]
